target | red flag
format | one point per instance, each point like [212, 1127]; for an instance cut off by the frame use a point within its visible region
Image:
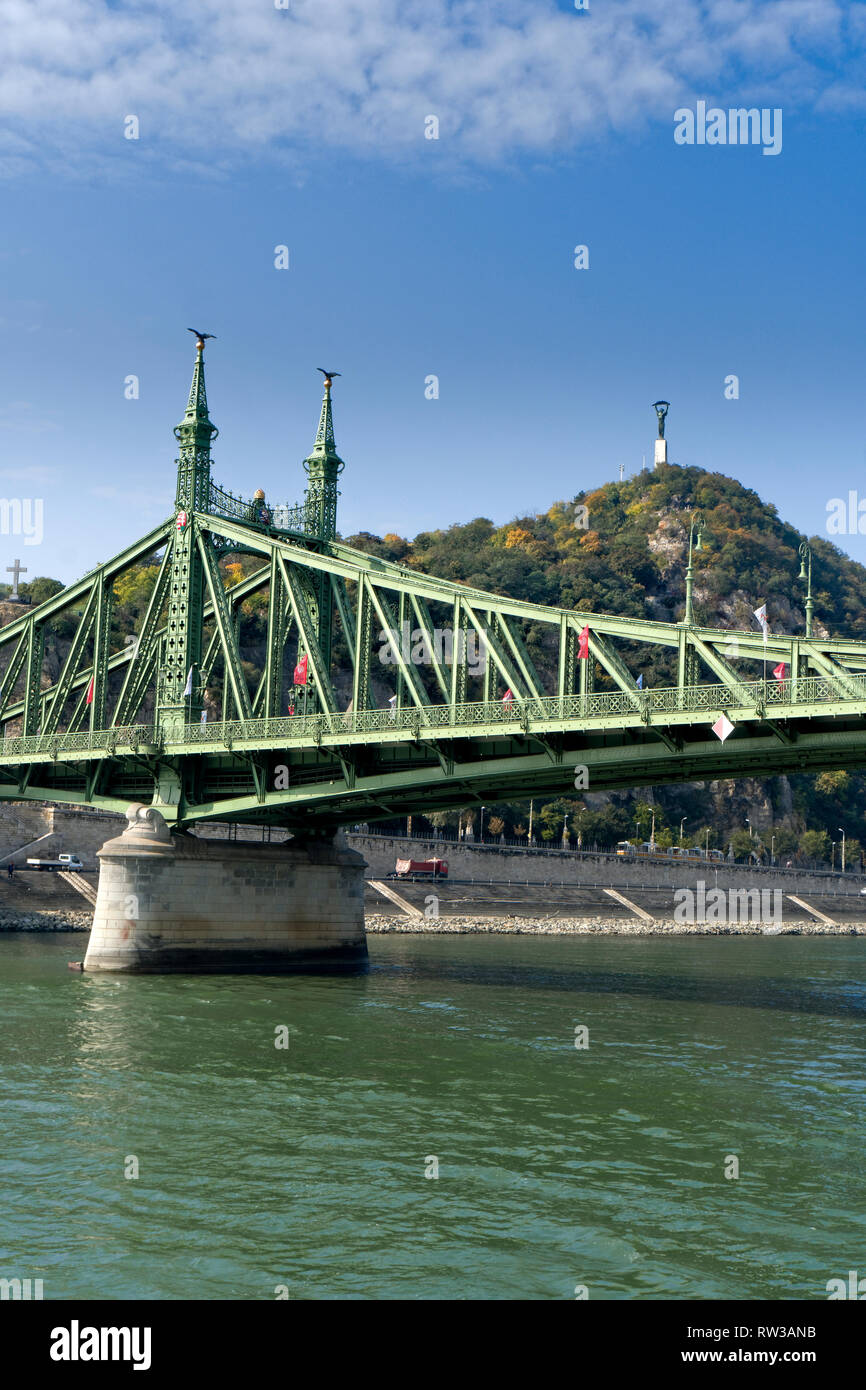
[779, 671]
[507, 698]
[301, 671]
[583, 644]
[89, 700]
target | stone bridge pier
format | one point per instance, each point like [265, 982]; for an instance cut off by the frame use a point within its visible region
[173, 902]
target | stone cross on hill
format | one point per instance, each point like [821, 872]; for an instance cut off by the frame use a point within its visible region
[16, 570]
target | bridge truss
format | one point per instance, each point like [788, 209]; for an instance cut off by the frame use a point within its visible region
[420, 693]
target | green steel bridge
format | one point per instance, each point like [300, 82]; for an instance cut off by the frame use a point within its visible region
[117, 726]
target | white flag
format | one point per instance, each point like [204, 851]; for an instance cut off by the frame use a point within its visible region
[188, 686]
[204, 716]
[393, 703]
[761, 615]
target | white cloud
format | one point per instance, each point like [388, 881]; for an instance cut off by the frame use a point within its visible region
[224, 78]
[21, 417]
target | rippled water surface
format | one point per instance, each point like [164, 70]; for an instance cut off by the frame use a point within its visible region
[558, 1166]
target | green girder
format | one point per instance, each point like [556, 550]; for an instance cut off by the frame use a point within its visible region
[377, 740]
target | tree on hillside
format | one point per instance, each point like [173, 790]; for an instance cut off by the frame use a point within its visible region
[815, 844]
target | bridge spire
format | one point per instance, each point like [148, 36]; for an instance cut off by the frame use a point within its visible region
[179, 684]
[323, 466]
[194, 434]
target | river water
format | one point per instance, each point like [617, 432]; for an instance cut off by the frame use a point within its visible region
[303, 1168]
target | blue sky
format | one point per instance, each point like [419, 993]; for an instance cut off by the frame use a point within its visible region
[411, 257]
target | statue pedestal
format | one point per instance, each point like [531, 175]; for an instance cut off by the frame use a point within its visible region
[661, 452]
[174, 903]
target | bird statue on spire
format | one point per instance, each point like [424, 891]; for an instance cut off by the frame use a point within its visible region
[200, 337]
[328, 376]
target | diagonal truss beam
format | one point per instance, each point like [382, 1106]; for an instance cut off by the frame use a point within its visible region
[301, 615]
[72, 662]
[225, 626]
[407, 670]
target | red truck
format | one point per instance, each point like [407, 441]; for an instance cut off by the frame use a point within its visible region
[421, 868]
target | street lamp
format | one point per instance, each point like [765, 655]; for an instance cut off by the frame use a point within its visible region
[843, 847]
[707, 842]
[805, 576]
[682, 823]
[481, 829]
[749, 824]
[565, 832]
[696, 528]
[772, 849]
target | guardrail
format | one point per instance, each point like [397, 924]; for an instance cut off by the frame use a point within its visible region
[553, 708]
[131, 736]
[518, 714]
[280, 517]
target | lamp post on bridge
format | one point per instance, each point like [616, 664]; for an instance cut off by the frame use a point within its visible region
[696, 530]
[805, 576]
[682, 823]
[843, 848]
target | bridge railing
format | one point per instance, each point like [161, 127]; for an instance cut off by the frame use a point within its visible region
[713, 699]
[281, 516]
[123, 736]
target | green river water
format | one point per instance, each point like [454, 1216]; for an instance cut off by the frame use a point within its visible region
[304, 1166]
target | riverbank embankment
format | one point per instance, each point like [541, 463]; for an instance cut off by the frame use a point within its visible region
[582, 926]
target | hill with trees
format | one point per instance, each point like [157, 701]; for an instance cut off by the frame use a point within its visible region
[623, 549]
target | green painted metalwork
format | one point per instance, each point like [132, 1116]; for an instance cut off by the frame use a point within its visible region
[380, 739]
[323, 467]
